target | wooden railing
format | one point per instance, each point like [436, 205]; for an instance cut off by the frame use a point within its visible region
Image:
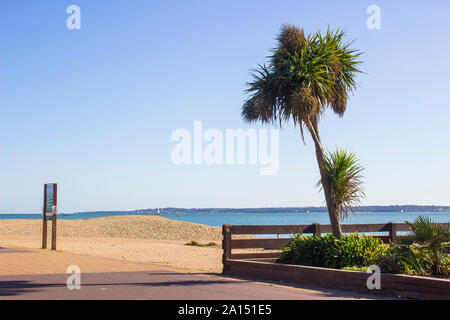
[274, 244]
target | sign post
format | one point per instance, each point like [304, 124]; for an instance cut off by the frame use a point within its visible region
[54, 213]
[44, 220]
[50, 209]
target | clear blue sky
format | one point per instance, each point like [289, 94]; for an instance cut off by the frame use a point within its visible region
[94, 109]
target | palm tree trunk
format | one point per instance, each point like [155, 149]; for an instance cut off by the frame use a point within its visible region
[333, 212]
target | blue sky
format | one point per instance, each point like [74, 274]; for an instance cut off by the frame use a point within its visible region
[94, 109]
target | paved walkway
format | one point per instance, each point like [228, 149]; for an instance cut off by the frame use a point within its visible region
[40, 274]
[30, 261]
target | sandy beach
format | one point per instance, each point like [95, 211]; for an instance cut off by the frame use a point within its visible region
[145, 239]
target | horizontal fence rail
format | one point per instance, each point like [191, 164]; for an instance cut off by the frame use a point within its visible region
[274, 245]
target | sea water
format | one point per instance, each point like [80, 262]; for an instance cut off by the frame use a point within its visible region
[262, 218]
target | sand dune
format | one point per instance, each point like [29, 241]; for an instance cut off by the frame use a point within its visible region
[131, 227]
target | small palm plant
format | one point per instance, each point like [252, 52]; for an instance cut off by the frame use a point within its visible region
[343, 175]
[432, 238]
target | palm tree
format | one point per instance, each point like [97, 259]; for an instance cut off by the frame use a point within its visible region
[343, 173]
[305, 75]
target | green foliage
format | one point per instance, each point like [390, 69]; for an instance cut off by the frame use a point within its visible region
[431, 240]
[344, 178]
[421, 252]
[445, 266]
[197, 244]
[304, 76]
[354, 268]
[403, 259]
[331, 252]
[429, 234]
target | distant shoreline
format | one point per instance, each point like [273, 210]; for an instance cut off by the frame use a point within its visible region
[374, 209]
[392, 208]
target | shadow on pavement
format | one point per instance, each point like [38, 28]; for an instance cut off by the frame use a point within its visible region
[18, 287]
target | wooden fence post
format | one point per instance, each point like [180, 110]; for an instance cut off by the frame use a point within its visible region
[226, 243]
[392, 232]
[317, 231]
[44, 232]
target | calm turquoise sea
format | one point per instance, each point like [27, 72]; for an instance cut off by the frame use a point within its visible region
[266, 218]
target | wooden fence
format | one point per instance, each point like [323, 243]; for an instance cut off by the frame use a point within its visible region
[275, 244]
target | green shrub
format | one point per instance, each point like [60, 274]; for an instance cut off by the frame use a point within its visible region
[330, 252]
[445, 267]
[421, 252]
[403, 259]
[431, 239]
[197, 244]
[412, 259]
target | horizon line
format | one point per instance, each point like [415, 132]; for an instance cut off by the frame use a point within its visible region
[254, 208]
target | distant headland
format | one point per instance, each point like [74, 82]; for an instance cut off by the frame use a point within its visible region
[392, 208]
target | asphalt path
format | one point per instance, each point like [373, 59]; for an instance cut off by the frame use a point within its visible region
[159, 285]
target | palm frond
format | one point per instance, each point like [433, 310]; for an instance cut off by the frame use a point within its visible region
[427, 232]
[304, 76]
[343, 173]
